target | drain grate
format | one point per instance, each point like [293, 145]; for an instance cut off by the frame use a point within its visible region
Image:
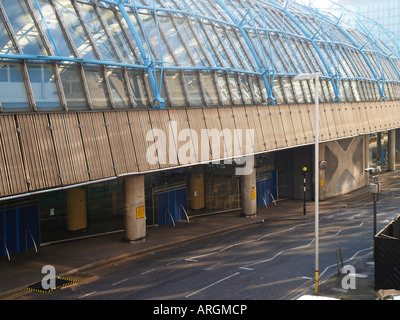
[59, 283]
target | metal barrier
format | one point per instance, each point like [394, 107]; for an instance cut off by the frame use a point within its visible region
[5, 247]
[172, 218]
[181, 206]
[26, 239]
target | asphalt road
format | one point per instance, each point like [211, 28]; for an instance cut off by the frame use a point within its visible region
[257, 262]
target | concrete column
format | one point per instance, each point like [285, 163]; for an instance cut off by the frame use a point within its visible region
[379, 148]
[76, 209]
[134, 208]
[249, 195]
[392, 150]
[197, 188]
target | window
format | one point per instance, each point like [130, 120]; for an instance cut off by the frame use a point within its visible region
[44, 87]
[75, 29]
[73, 89]
[95, 80]
[11, 81]
[24, 28]
[117, 88]
[193, 88]
[175, 87]
[53, 27]
[138, 88]
[211, 94]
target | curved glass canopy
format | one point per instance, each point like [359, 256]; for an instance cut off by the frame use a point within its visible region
[120, 54]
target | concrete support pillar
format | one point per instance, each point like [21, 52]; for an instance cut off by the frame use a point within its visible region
[76, 209]
[134, 208]
[197, 188]
[379, 148]
[249, 195]
[392, 150]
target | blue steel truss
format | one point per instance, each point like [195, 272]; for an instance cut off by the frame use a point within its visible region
[264, 38]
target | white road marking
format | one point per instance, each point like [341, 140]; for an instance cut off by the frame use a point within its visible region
[87, 295]
[119, 282]
[212, 284]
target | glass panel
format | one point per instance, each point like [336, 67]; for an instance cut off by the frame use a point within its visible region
[356, 92]
[298, 92]
[24, 28]
[73, 89]
[234, 88]
[325, 90]
[203, 42]
[193, 87]
[322, 95]
[118, 36]
[95, 80]
[278, 92]
[226, 45]
[155, 39]
[97, 31]
[6, 45]
[306, 90]
[245, 90]
[11, 81]
[239, 50]
[217, 46]
[75, 29]
[174, 41]
[211, 94]
[175, 87]
[343, 93]
[256, 90]
[51, 24]
[223, 88]
[44, 87]
[138, 88]
[349, 91]
[287, 87]
[117, 88]
[191, 43]
[331, 90]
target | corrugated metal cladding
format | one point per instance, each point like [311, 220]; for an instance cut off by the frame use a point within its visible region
[43, 151]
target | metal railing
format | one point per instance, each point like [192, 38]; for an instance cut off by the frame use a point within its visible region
[184, 210]
[173, 221]
[5, 247]
[26, 239]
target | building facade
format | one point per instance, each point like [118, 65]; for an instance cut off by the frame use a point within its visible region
[117, 115]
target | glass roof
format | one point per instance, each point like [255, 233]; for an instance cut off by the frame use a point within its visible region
[224, 48]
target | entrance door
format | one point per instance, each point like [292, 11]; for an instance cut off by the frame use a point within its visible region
[19, 229]
[170, 206]
[267, 189]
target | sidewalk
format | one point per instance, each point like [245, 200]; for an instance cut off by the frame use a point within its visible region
[76, 256]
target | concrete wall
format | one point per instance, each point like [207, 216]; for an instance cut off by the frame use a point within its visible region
[346, 159]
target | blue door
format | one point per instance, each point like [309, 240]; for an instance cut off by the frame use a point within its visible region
[170, 205]
[267, 188]
[19, 227]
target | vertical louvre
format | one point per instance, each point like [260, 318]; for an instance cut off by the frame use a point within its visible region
[12, 153]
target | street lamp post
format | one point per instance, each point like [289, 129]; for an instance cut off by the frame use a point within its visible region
[305, 174]
[310, 76]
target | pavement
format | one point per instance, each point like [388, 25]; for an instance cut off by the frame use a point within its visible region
[75, 257]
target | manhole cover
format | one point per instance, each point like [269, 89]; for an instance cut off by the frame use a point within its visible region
[59, 283]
